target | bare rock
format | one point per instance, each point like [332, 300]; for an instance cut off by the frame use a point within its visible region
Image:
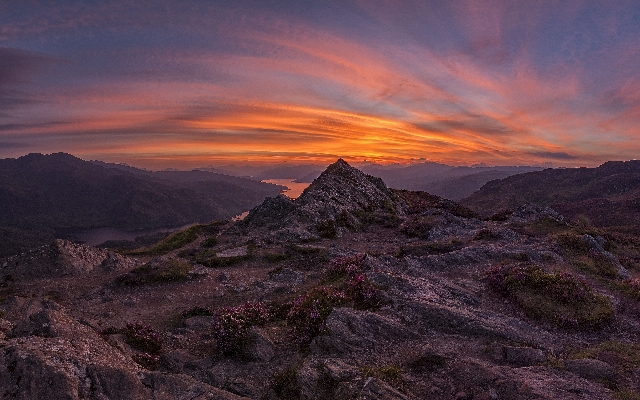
[522, 356]
[258, 346]
[62, 258]
[199, 323]
[350, 329]
[375, 389]
[591, 369]
[182, 387]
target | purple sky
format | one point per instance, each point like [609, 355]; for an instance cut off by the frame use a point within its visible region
[191, 83]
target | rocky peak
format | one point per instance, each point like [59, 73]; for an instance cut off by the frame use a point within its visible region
[341, 197]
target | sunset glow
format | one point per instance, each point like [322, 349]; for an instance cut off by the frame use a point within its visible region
[194, 83]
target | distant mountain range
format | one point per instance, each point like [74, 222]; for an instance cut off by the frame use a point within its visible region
[47, 196]
[453, 183]
[608, 195]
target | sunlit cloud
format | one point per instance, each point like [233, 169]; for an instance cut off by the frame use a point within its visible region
[515, 83]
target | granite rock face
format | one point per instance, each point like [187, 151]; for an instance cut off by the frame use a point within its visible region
[342, 198]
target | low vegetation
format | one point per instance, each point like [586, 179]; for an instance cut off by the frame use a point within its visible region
[285, 384]
[181, 238]
[580, 253]
[156, 271]
[232, 324]
[388, 373]
[556, 297]
[144, 340]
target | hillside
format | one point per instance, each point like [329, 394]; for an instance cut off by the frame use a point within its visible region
[608, 195]
[351, 291]
[45, 196]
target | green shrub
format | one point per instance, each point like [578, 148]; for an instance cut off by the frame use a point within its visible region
[220, 262]
[622, 355]
[210, 242]
[156, 272]
[175, 241]
[559, 298]
[579, 253]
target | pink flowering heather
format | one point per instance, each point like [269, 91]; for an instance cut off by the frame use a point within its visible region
[309, 313]
[363, 292]
[232, 324]
[345, 266]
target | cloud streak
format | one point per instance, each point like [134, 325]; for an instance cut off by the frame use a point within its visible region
[515, 83]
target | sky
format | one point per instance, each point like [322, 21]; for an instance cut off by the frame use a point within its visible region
[194, 83]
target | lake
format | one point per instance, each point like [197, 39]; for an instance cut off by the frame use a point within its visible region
[294, 190]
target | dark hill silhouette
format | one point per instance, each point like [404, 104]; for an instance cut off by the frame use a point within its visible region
[44, 195]
[608, 195]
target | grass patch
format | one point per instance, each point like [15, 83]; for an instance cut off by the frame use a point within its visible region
[164, 271]
[626, 394]
[181, 238]
[622, 355]
[579, 253]
[559, 298]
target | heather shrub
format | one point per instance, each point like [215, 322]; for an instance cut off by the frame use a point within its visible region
[232, 324]
[144, 340]
[363, 292]
[345, 266]
[556, 297]
[579, 253]
[308, 313]
[358, 287]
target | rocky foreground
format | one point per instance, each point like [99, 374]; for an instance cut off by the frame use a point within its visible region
[352, 291]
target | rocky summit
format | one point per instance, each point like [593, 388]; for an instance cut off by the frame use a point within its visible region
[351, 291]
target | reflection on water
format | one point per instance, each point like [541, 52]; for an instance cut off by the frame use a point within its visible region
[240, 217]
[294, 190]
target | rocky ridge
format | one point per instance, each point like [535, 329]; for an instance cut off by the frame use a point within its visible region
[352, 291]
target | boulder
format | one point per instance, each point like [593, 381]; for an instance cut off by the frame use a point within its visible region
[591, 369]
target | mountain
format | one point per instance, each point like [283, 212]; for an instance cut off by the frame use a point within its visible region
[453, 183]
[44, 196]
[608, 195]
[351, 291]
